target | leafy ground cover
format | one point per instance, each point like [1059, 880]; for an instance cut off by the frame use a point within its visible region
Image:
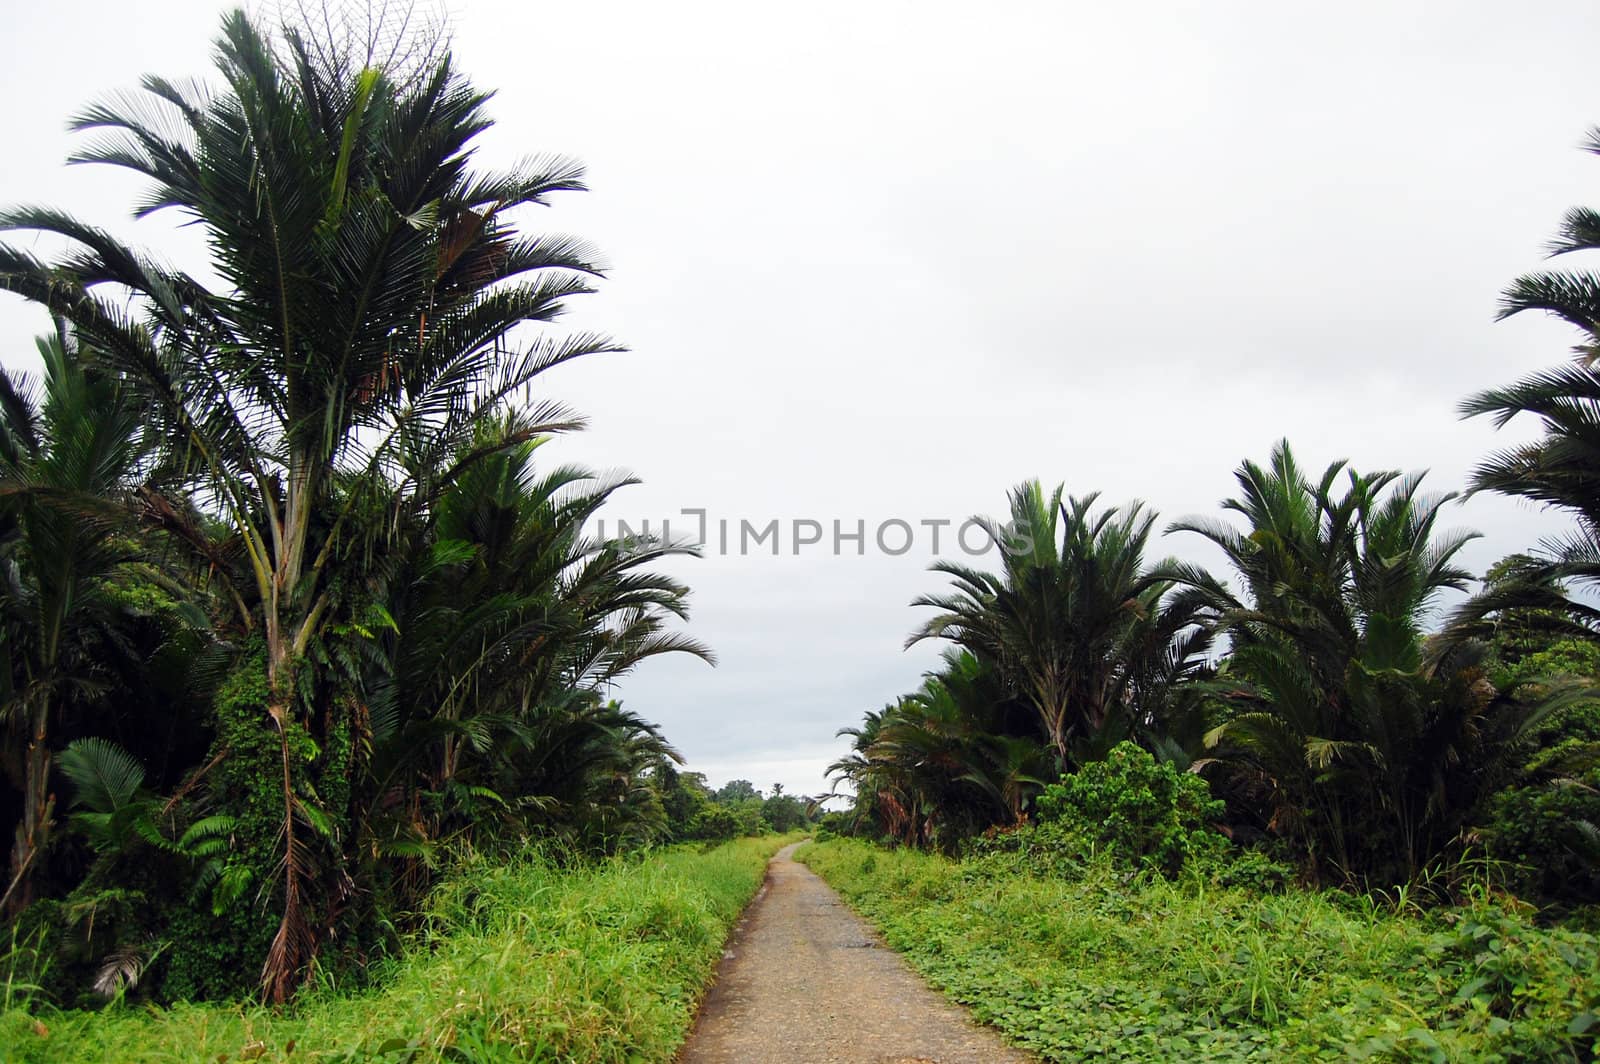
[527, 962]
[1121, 966]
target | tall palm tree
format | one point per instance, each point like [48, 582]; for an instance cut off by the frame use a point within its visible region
[1549, 590]
[70, 456]
[1075, 619]
[371, 284]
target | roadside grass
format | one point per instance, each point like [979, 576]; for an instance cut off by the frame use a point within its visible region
[1116, 967]
[525, 961]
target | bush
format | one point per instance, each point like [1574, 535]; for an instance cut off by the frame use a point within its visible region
[1252, 870]
[1543, 825]
[1539, 830]
[836, 823]
[714, 823]
[783, 813]
[1134, 809]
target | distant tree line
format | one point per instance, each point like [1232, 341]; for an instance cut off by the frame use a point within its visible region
[698, 813]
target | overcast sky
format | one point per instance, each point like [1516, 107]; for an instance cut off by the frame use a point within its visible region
[883, 261]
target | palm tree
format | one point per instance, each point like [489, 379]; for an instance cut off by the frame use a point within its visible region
[67, 468]
[1356, 740]
[1573, 297]
[371, 283]
[593, 776]
[880, 788]
[1534, 592]
[506, 624]
[1075, 620]
[1561, 469]
[940, 764]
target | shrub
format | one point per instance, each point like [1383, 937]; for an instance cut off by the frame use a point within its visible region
[1543, 825]
[714, 823]
[1529, 988]
[1539, 830]
[836, 822]
[1251, 869]
[1137, 810]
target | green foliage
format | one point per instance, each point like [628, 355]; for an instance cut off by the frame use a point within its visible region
[104, 776]
[1538, 831]
[526, 960]
[738, 809]
[1080, 627]
[1368, 750]
[735, 791]
[1541, 660]
[683, 796]
[216, 946]
[1352, 735]
[69, 454]
[1558, 467]
[947, 761]
[715, 823]
[835, 823]
[1102, 966]
[1251, 869]
[747, 815]
[1513, 981]
[1137, 810]
[1542, 823]
[783, 813]
[107, 784]
[1547, 822]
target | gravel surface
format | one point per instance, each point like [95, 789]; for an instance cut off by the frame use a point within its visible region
[805, 981]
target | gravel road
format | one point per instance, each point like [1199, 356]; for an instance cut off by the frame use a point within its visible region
[805, 981]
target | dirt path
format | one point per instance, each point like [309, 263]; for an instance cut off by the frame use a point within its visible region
[804, 981]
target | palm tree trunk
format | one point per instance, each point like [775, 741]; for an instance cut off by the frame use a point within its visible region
[33, 830]
[292, 944]
[1052, 708]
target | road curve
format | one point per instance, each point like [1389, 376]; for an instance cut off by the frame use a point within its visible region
[805, 981]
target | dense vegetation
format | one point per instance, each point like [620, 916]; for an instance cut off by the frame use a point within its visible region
[292, 616]
[1332, 725]
[1092, 963]
[515, 961]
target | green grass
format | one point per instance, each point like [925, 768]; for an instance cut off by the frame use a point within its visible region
[524, 962]
[1115, 967]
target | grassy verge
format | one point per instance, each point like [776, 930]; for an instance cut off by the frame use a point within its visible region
[1109, 967]
[524, 962]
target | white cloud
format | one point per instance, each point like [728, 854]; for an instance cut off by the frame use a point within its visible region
[886, 260]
